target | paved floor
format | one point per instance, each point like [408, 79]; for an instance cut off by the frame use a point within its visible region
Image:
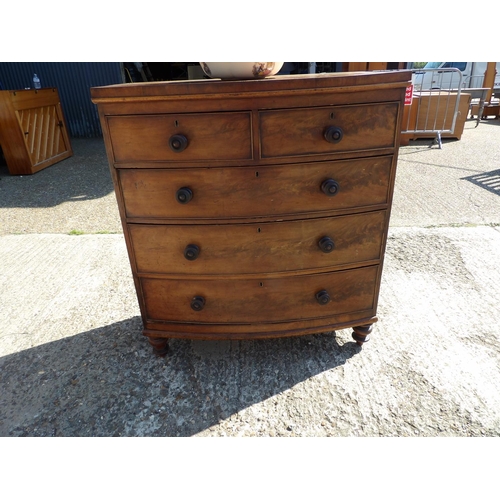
[74, 363]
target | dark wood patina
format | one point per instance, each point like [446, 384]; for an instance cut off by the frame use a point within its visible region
[255, 209]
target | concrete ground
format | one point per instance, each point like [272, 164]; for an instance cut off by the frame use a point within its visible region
[74, 362]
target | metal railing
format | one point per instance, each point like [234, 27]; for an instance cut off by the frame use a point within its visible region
[435, 103]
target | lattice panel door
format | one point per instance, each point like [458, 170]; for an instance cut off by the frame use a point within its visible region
[42, 132]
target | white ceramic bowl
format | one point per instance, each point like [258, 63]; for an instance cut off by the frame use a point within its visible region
[240, 70]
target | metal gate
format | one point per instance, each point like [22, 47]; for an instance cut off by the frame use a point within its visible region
[435, 100]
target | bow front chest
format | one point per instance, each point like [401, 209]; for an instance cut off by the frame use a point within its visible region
[255, 208]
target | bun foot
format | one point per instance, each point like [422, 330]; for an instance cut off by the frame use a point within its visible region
[361, 334]
[160, 346]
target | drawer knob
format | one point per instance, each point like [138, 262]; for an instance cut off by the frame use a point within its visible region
[323, 297]
[198, 303]
[191, 252]
[333, 134]
[326, 244]
[184, 195]
[178, 143]
[330, 187]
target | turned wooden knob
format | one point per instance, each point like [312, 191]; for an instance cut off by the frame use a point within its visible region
[323, 297]
[184, 195]
[333, 134]
[198, 303]
[178, 143]
[330, 187]
[191, 252]
[326, 244]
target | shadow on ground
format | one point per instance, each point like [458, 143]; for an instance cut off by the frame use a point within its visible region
[83, 176]
[108, 382]
[487, 180]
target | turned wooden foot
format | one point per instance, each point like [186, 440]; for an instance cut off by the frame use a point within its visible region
[361, 334]
[160, 346]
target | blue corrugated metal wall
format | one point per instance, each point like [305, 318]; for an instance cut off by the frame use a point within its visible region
[73, 81]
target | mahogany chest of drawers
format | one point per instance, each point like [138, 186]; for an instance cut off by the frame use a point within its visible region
[256, 208]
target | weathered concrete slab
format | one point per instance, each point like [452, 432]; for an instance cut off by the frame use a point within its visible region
[73, 361]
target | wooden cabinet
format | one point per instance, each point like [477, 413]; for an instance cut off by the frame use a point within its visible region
[33, 133]
[255, 209]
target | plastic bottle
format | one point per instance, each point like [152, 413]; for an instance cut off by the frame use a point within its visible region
[36, 82]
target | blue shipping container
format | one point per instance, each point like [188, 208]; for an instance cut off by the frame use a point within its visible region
[73, 81]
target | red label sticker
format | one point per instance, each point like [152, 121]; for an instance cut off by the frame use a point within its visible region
[409, 94]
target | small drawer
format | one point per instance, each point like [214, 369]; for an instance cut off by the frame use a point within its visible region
[258, 248]
[272, 300]
[326, 130]
[181, 137]
[242, 192]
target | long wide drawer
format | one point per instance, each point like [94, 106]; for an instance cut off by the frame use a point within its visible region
[260, 300]
[333, 129]
[247, 192]
[258, 248]
[181, 137]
